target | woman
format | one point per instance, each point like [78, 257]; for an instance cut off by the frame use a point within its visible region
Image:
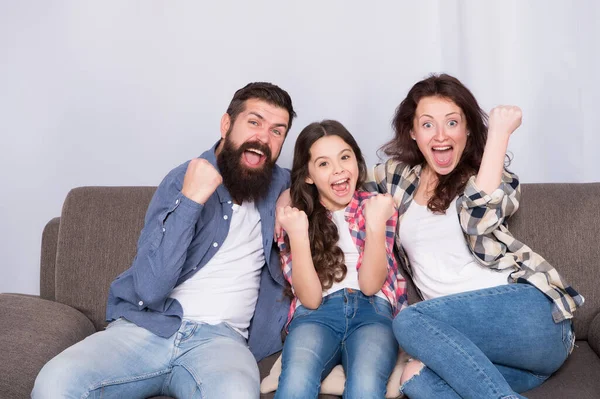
[496, 319]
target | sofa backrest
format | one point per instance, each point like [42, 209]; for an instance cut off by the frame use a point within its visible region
[97, 240]
[561, 222]
[99, 228]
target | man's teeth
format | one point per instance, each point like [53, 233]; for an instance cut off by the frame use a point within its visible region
[256, 151]
[442, 148]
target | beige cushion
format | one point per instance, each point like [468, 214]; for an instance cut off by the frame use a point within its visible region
[334, 383]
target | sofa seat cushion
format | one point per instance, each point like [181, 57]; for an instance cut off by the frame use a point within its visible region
[578, 378]
[33, 331]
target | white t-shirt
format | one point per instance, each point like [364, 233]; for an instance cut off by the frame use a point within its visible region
[226, 288]
[439, 257]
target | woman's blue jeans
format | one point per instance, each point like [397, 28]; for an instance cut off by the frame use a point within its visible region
[490, 343]
[348, 327]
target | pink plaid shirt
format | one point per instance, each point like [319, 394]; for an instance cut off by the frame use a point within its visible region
[394, 287]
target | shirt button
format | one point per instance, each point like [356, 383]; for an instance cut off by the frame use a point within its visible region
[215, 244]
[141, 303]
[177, 202]
[225, 217]
[229, 202]
[164, 229]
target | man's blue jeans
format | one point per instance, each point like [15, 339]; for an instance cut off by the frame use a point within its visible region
[490, 343]
[348, 327]
[127, 361]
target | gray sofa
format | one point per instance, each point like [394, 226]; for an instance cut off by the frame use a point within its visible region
[95, 239]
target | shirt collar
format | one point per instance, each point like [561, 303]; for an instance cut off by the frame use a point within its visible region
[417, 169]
[350, 212]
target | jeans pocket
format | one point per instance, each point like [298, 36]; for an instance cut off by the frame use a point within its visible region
[302, 311]
[113, 323]
[381, 306]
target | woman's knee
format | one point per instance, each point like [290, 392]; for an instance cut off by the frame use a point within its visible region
[405, 323]
[411, 369]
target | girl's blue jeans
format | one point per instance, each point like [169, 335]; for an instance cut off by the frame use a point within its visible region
[348, 328]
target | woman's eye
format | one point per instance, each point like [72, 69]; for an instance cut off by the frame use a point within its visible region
[452, 123]
[427, 125]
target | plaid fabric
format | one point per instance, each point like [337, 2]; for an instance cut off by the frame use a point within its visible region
[483, 220]
[394, 287]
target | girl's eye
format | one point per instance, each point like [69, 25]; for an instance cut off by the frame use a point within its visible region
[345, 157]
[323, 164]
[427, 125]
[452, 123]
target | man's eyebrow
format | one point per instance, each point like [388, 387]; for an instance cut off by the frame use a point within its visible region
[259, 116]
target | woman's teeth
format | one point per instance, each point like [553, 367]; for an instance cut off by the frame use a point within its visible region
[445, 148]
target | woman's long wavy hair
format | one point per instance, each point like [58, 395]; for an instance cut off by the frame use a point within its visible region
[327, 257]
[404, 149]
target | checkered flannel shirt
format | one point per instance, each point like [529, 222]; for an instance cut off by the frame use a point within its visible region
[483, 218]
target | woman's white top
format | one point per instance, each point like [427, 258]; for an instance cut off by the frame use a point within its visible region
[438, 254]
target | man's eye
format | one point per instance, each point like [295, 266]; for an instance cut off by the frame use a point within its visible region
[277, 132]
[255, 123]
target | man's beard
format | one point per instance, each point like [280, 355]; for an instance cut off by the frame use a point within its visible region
[243, 183]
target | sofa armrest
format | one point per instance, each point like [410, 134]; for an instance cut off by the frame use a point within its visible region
[33, 331]
[48, 259]
[594, 334]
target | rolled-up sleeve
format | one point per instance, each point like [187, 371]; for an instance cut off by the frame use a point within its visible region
[481, 213]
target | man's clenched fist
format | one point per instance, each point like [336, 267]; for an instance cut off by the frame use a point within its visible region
[200, 181]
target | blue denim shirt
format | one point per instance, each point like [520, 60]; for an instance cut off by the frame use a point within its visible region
[179, 237]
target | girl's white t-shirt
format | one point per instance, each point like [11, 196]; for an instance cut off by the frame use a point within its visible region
[347, 245]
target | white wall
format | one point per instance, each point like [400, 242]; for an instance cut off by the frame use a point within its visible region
[118, 93]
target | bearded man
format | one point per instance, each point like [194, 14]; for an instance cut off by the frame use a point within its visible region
[202, 301]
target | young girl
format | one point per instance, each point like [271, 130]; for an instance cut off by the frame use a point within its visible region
[496, 319]
[338, 258]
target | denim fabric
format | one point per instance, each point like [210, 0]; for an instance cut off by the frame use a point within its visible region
[490, 343]
[179, 237]
[348, 327]
[126, 361]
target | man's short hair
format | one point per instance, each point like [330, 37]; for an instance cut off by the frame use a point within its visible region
[264, 91]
